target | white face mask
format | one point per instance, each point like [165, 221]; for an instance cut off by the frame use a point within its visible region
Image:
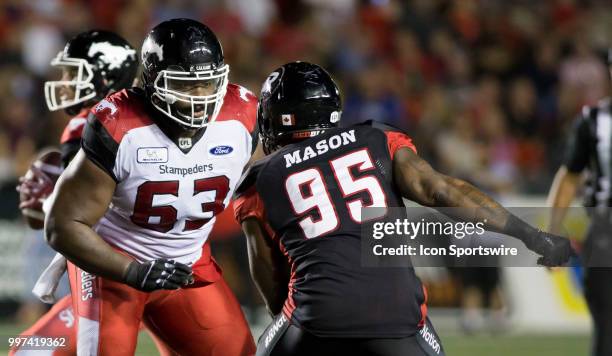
[81, 84]
[174, 91]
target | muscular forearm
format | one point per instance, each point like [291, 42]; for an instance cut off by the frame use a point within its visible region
[418, 181]
[80, 199]
[268, 267]
[273, 291]
[476, 206]
[83, 247]
[472, 203]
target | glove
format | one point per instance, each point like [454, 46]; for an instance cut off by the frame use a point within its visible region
[555, 250]
[158, 274]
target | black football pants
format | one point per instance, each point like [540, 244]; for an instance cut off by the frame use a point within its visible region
[284, 339]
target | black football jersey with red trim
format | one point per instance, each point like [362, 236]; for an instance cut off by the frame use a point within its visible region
[309, 196]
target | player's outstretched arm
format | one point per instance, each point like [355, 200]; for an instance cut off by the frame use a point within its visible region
[267, 269]
[419, 182]
[81, 197]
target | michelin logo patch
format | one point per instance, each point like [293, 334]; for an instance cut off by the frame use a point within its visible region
[221, 150]
[152, 155]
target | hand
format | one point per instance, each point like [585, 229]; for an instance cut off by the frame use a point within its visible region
[555, 250]
[34, 188]
[158, 274]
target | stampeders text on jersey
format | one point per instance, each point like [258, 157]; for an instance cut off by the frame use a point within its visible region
[198, 168]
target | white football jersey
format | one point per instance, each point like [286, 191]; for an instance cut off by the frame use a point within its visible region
[166, 199]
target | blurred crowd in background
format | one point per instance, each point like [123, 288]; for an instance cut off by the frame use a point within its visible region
[487, 88]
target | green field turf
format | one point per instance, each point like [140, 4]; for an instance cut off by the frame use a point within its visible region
[455, 345]
[458, 345]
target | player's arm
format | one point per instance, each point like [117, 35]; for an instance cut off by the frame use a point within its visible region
[69, 149]
[268, 270]
[81, 198]
[267, 265]
[418, 181]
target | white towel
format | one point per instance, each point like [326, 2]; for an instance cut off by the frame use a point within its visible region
[47, 283]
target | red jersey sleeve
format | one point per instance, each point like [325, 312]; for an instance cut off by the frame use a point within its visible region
[109, 121]
[397, 140]
[74, 129]
[241, 104]
[249, 205]
[121, 112]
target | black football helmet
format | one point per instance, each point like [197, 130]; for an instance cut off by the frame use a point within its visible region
[297, 101]
[97, 63]
[179, 56]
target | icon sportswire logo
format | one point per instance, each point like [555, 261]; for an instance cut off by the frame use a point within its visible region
[221, 150]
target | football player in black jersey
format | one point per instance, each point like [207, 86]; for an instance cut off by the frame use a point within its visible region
[300, 208]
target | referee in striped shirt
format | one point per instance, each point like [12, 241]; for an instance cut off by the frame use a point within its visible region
[590, 149]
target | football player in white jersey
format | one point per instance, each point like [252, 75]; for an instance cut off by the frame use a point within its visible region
[133, 210]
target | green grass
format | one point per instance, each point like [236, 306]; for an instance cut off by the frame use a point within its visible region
[534, 345]
[455, 345]
[458, 345]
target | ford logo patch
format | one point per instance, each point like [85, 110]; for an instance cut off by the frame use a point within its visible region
[221, 150]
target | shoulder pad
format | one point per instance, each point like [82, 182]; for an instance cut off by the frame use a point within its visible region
[74, 129]
[239, 104]
[121, 112]
[382, 126]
